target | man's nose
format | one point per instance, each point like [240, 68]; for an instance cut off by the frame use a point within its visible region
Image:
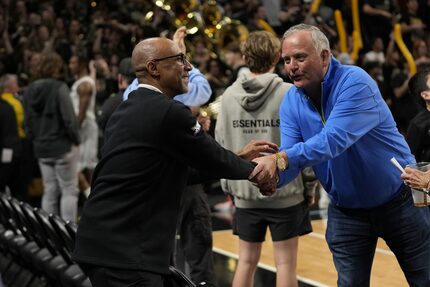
[292, 66]
[188, 66]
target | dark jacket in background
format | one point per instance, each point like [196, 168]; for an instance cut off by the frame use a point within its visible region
[418, 136]
[50, 119]
[129, 220]
[8, 128]
[9, 140]
[108, 108]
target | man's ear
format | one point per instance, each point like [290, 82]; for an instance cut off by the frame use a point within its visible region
[151, 67]
[425, 95]
[325, 56]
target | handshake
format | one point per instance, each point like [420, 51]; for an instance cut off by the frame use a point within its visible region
[265, 155]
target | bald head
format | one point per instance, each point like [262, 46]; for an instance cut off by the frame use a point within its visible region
[160, 62]
[149, 49]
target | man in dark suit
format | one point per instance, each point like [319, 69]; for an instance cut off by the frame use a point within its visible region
[127, 230]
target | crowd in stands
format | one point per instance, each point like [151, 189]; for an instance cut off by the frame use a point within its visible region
[79, 52]
[106, 32]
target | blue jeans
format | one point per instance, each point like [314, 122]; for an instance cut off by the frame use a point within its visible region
[60, 184]
[352, 235]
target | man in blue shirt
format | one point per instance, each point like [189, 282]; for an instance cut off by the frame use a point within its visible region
[335, 119]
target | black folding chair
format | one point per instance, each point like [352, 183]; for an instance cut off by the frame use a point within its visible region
[48, 262]
[18, 271]
[73, 276]
[177, 279]
[30, 250]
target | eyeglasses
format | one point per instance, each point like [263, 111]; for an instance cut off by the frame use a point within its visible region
[181, 57]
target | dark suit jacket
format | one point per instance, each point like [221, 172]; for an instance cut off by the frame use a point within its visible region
[130, 217]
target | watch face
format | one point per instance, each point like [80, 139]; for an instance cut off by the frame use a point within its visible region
[281, 164]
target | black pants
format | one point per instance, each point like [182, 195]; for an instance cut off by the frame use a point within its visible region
[112, 277]
[195, 229]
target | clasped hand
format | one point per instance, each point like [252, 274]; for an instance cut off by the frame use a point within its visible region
[264, 175]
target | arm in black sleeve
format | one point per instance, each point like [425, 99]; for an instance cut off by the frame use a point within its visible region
[187, 142]
[414, 138]
[67, 114]
[196, 176]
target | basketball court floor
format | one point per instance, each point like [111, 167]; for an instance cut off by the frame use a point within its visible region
[315, 265]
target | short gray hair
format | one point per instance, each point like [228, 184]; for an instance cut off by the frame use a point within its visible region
[5, 81]
[318, 38]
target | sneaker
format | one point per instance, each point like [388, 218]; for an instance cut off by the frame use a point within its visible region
[224, 206]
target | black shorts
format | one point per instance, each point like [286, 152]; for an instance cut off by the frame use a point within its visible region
[250, 224]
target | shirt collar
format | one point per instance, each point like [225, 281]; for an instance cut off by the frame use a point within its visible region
[151, 87]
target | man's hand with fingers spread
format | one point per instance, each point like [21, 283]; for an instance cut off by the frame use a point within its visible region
[179, 38]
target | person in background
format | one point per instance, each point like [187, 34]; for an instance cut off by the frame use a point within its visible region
[418, 134]
[194, 226]
[83, 95]
[376, 54]
[9, 142]
[125, 77]
[234, 59]
[335, 120]
[379, 15]
[53, 128]
[421, 54]
[19, 169]
[217, 77]
[405, 104]
[253, 101]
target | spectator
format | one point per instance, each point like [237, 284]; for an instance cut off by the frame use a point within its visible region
[379, 15]
[83, 95]
[290, 14]
[413, 26]
[53, 128]
[257, 19]
[9, 142]
[332, 119]
[420, 53]
[418, 135]
[405, 105]
[20, 166]
[253, 101]
[377, 53]
[125, 77]
[217, 77]
[234, 59]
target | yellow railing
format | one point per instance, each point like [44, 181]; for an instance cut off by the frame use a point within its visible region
[401, 44]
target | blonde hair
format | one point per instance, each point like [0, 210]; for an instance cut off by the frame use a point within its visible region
[261, 51]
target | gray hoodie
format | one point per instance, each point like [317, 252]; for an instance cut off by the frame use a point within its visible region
[250, 110]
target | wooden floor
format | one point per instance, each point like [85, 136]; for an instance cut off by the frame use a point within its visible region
[315, 265]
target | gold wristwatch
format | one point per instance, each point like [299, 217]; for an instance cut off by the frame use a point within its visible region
[281, 164]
